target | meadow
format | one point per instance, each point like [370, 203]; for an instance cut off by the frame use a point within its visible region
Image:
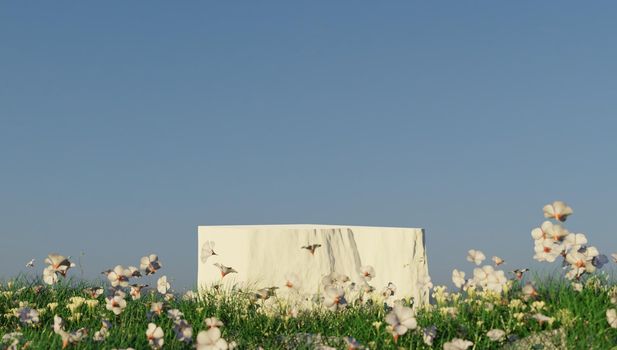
[493, 309]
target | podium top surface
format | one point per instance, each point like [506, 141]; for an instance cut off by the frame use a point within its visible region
[304, 227]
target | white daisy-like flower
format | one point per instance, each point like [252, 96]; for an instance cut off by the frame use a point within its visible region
[496, 334]
[150, 264]
[611, 317]
[115, 304]
[457, 344]
[155, 335]
[334, 298]
[548, 230]
[119, 276]
[211, 340]
[367, 272]
[557, 210]
[162, 286]
[207, 250]
[475, 256]
[175, 314]
[401, 319]
[496, 281]
[458, 278]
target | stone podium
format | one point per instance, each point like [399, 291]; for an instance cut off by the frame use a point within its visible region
[263, 255]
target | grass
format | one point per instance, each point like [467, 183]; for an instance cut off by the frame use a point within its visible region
[580, 314]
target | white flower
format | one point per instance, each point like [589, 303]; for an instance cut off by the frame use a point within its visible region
[558, 210]
[529, 291]
[334, 297]
[548, 230]
[28, 315]
[334, 278]
[367, 272]
[458, 278]
[496, 334]
[211, 340]
[611, 317]
[174, 314]
[428, 335]
[457, 344]
[574, 241]
[389, 290]
[424, 281]
[401, 320]
[543, 318]
[475, 256]
[547, 250]
[115, 304]
[136, 290]
[225, 270]
[292, 281]
[183, 330]
[49, 275]
[162, 285]
[134, 271]
[497, 260]
[119, 276]
[496, 281]
[207, 250]
[59, 263]
[614, 256]
[155, 335]
[156, 308]
[213, 322]
[150, 264]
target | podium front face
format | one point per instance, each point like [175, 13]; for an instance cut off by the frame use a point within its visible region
[263, 255]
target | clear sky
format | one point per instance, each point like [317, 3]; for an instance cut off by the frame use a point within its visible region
[126, 124]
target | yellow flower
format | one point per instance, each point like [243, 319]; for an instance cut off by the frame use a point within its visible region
[537, 306]
[519, 316]
[75, 317]
[516, 304]
[92, 303]
[52, 306]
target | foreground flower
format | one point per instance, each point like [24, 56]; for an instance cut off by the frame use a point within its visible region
[457, 344]
[292, 281]
[211, 340]
[212, 322]
[367, 272]
[496, 334]
[401, 320]
[115, 304]
[155, 335]
[72, 337]
[428, 334]
[611, 317]
[150, 264]
[225, 270]
[119, 276]
[334, 298]
[136, 290]
[558, 210]
[183, 330]
[28, 316]
[207, 250]
[162, 286]
[59, 264]
[475, 256]
[458, 278]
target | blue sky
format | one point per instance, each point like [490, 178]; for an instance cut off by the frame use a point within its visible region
[124, 125]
